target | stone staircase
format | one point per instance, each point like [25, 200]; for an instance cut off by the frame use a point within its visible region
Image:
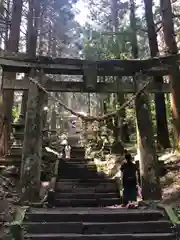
[97, 223]
[85, 209]
[82, 192]
[80, 185]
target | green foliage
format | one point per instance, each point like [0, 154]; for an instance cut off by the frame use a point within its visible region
[110, 38]
[15, 113]
[105, 46]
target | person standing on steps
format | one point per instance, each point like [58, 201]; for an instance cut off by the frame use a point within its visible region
[64, 143]
[67, 151]
[129, 180]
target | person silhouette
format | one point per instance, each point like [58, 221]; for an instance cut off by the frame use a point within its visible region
[129, 180]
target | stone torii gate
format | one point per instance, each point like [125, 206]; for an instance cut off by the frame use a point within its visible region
[40, 66]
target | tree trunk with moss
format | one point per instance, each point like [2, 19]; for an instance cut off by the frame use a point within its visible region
[170, 41]
[149, 166]
[151, 189]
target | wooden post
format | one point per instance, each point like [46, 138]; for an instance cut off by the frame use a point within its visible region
[90, 77]
[149, 166]
[53, 119]
[32, 146]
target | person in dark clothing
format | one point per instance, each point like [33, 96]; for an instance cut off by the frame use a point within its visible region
[129, 180]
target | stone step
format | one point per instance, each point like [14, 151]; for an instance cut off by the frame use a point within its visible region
[76, 164]
[77, 150]
[77, 155]
[63, 184]
[83, 175]
[77, 160]
[78, 169]
[87, 190]
[86, 195]
[93, 180]
[81, 166]
[92, 215]
[91, 176]
[98, 228]
[147, 236]
[75, 174]
[100, 189]
[103, 202]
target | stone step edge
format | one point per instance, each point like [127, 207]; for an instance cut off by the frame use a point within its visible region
[93, 211]
[85, 193]
[100, 223]
[102, 235]
[84, 199]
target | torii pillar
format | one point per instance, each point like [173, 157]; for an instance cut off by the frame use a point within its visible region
[32, 145]
[149, 166]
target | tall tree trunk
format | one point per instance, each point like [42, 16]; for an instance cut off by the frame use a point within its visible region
[2, 12]
[170, 41]
[120, 119]
[31, 43]
[8, 95]
[32, 145]
[8, 7]
[149, 165]
[42, 18]
[41, 21]
[151, 189]
[161, 119]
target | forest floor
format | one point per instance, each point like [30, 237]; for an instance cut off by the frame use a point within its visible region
[170, 183]
[8, 198]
